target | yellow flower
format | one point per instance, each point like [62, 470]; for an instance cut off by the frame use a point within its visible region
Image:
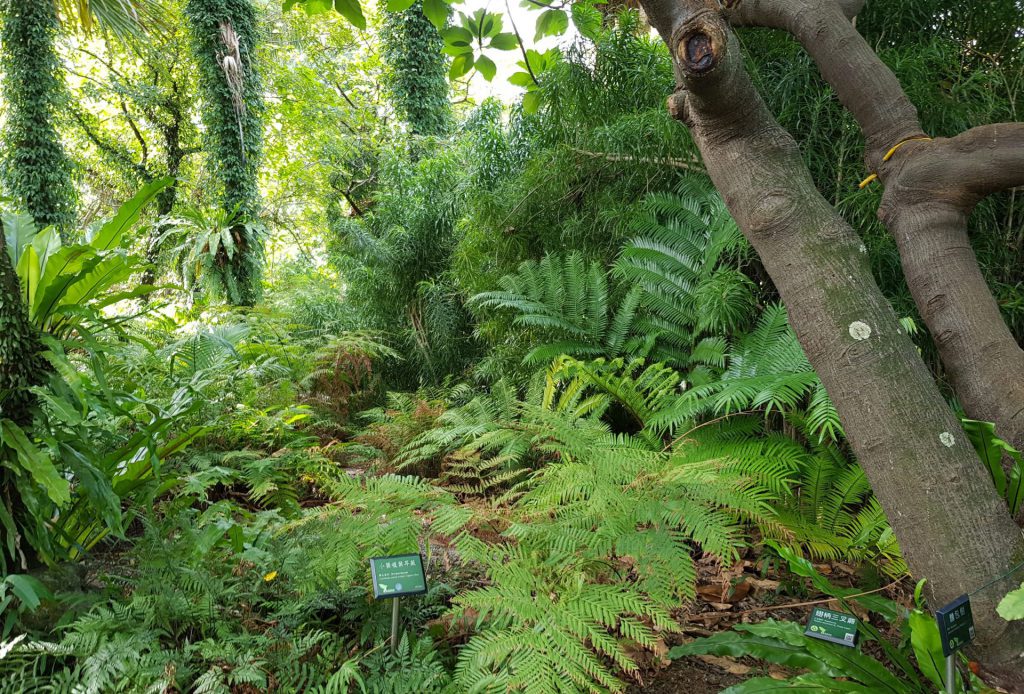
[270, 576]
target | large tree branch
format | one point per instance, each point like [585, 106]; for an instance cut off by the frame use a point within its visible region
[964, 169]
[898, 424]
[864, 84]
[930, 189]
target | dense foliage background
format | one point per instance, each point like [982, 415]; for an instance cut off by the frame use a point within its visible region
[320, 303]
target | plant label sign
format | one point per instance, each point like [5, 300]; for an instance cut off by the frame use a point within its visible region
[398, 575]
[836, 627]
[956, 625]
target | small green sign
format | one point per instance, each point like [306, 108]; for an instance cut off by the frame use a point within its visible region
[836, 627]
[956, 625]
[399, 575]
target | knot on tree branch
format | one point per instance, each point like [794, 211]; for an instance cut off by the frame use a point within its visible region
[700, 43]
[677, 108]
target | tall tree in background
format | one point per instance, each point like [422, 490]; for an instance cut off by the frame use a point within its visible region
[418, 77]
[955, 531]
[223, 35]
[35, 170]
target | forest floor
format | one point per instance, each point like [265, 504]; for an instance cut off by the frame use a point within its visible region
[731, 595]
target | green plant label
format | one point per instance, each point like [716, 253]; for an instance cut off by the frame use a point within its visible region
[836, 627]
[956, 625]
[399, 575]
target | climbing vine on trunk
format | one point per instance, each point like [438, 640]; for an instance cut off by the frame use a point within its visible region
[35, 169]
[418, 71]
[224, 37]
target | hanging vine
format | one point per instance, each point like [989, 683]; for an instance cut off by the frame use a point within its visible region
[35, 169]
[224, 36]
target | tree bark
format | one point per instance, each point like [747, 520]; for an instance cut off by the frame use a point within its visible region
[952, 526]
[931, 188]
[21, 365]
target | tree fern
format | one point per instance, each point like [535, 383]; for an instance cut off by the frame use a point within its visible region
[566, 302]
[683, 256]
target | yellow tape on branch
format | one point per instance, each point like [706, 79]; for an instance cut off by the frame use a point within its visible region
[888, 156]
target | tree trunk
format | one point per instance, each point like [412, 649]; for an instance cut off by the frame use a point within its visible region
[926, 205]
[223, 35]
[952, 526]
[21, 365]
[418, 78]
[36, 170]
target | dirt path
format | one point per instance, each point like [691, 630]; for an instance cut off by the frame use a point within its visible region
[687, 676]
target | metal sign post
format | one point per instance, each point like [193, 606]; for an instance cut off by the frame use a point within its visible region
[396, 576]
[956, 630]
[394, 625]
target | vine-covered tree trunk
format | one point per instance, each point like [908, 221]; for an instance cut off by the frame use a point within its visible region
[21, 365]
[224, 35]
[952, 526]
[35, 169]
[418, 77]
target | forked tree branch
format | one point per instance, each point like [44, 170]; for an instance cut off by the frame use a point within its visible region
[903, 435]
[931, 187]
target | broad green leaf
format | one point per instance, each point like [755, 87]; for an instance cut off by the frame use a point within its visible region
[849, 661]
[504, 42]
[531, 102]
[399, 5]
[111, 234]
[486, 67]
[521, 79]
[61, 408]
[436, 11]
[19, 230]
[456, 50]
[551, 23]
[803, 683]
[68, 266]
[352, 11]
[927, 645]
[1011, 607]
[36, 462]
[310, 7]
[457, 36]
[490, 25]
[737, 644]
[460, 66]
[29, 590]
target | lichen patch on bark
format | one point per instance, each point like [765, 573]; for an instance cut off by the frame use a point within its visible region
[859, 330]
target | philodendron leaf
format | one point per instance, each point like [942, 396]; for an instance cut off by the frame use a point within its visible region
[1011, 607]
